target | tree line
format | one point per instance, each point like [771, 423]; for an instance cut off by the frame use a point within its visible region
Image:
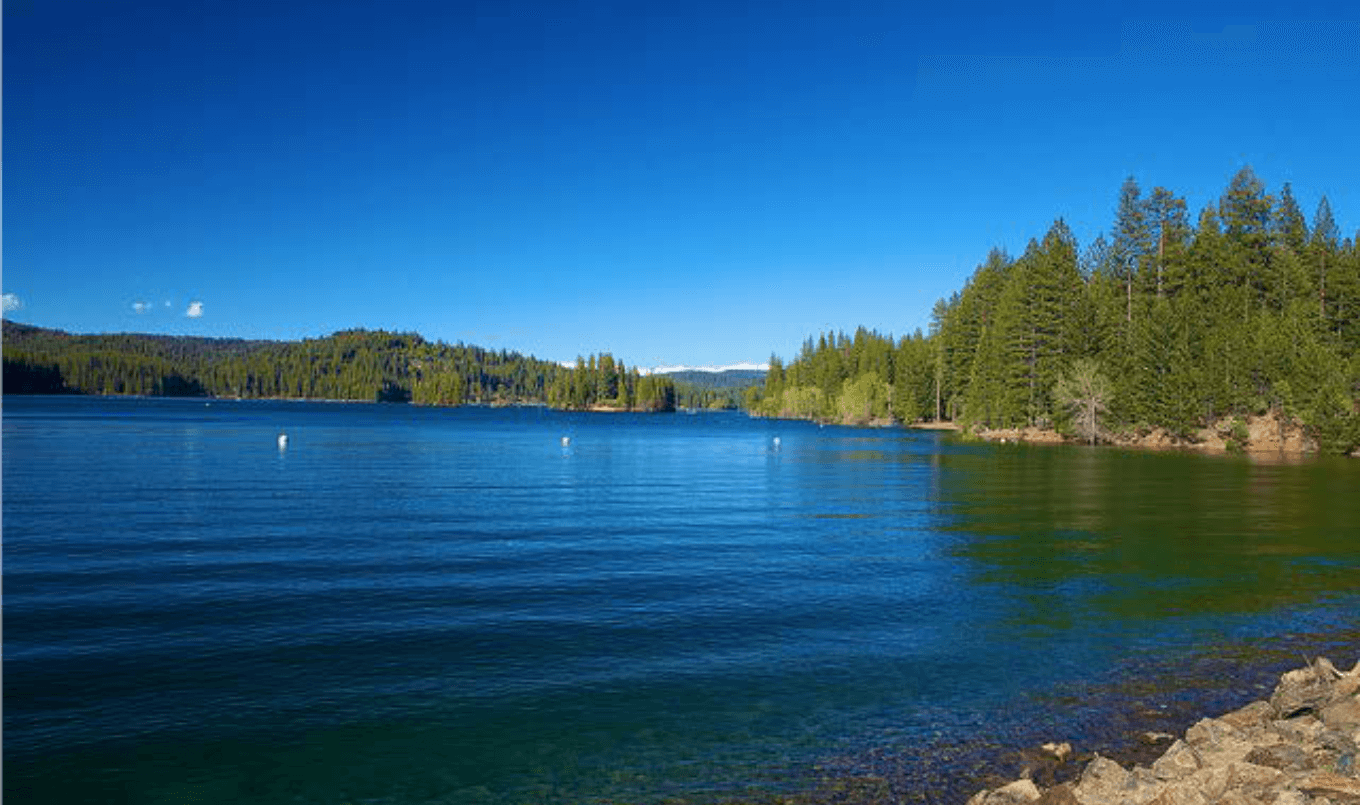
[348, 365]
[600, 382]
[1250, 309]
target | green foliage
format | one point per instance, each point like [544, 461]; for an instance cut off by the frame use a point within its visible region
[349, 365]
[1249, 311]
[1084, 393]
[1238, 434]
[863, 399]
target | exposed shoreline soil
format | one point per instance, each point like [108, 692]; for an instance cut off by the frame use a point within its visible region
[1266, 435]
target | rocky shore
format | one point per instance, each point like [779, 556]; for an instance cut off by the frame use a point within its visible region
[1297, 748]
[1265, 435]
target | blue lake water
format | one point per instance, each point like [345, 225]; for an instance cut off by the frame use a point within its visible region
[415, 605]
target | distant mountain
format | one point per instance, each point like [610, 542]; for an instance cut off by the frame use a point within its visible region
[716, 379]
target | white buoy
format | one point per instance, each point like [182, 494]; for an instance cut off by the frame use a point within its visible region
[776, 442]
[283, 441]
[566, 441]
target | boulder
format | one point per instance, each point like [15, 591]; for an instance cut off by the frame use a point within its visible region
[1019, 792]
[1300, 748]
[1254, 716]
[1300, 729]
[1251, 776]
[1181, 760]
[1181, 793]
[1209, 733]
[1305, 690]
[1280, 756]
[1058, 795]
[1334, 787]
[1105, 782]
[1212, 782]
[1342, 714]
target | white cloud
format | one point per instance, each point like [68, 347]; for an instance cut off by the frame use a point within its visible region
[195, 310]
[141, 307]
[11, 302]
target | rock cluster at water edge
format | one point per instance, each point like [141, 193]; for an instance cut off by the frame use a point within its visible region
[1298, 748]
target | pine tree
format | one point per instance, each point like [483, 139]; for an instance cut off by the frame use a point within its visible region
[1322, 250]
[1132, 239]
[1170, 233]
[1288, 227]
[1246, 212]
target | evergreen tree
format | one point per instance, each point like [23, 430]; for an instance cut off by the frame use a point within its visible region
[1246, 212]
[1132, 239]
[1288, 227]
[1322, 250]
[1170, 233]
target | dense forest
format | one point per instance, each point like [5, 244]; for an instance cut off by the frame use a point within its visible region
[1159, 324]
[349, 365]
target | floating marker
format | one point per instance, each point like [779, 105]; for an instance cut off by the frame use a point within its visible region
[283, 441]
[566, 441]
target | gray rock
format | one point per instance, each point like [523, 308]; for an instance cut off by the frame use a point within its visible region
[1300, 729]
[1281, 756]
[1337, 741]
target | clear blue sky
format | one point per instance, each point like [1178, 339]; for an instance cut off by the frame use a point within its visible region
[677, 183]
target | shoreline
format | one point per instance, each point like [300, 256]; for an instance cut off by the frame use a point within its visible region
[1297, 747]
[1257, 434]
[1144, 740]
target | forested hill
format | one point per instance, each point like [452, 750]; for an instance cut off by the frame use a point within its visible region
[724, 388]
[1163, 323]
[349, 365]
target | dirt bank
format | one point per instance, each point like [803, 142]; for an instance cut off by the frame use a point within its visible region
[1269, 434]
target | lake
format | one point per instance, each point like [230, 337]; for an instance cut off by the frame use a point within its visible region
[420, 605]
